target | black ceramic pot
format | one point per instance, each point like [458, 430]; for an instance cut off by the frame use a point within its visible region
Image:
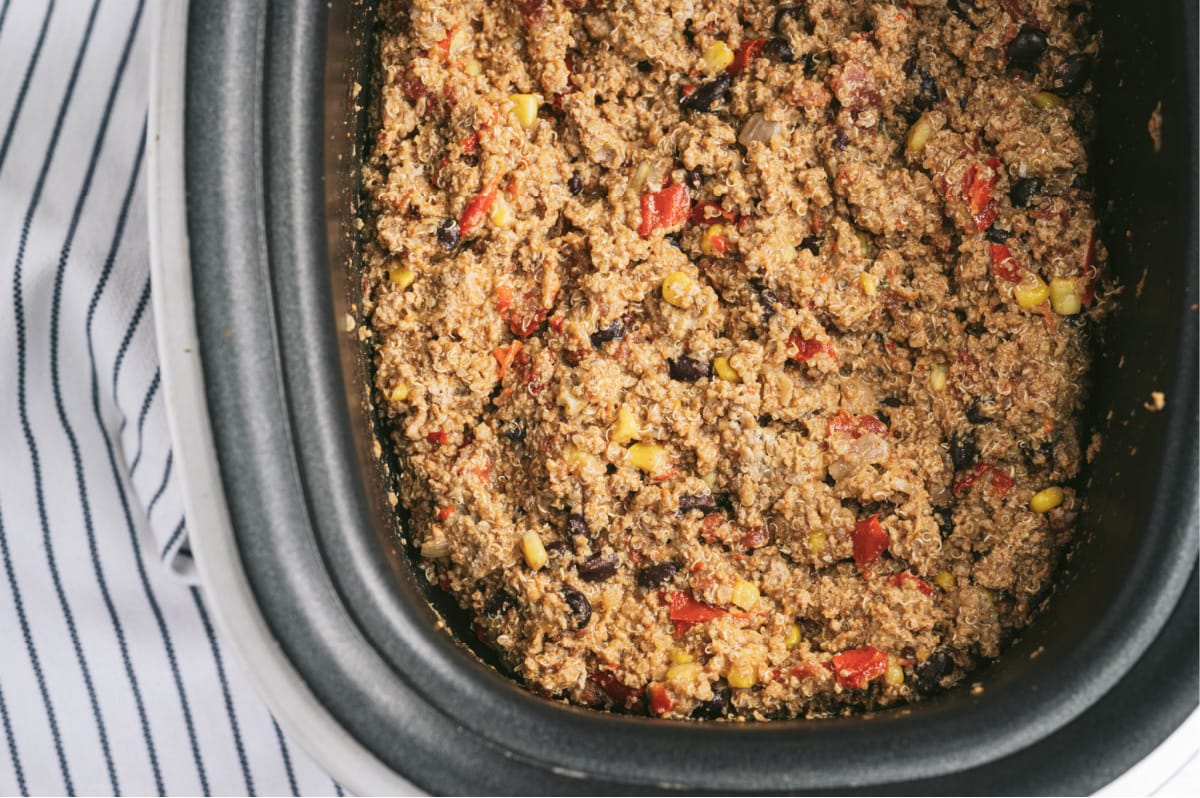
[258, 127]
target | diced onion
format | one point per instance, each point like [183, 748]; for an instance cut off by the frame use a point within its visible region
[757, 128]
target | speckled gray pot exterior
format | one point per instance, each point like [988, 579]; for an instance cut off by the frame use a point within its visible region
[270, 123]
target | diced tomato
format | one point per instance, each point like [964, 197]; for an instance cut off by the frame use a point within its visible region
[503, 299]
[469, 144]
[686, 611]
[719, 244]
[977, 191]
[477, 208]
[802, 350]
[974, 475]
[870, 540]
[710, 213]
[525, 317]
[665, 208]
[621, 693]
[444, 513]
[856, 427]
[744, 55]
[1004, 265]
[413, 87]
[556, 323]
[903, 578]
[505, 355]
[437, 436]
[660, 700]
[858, 666]
[1002, 483]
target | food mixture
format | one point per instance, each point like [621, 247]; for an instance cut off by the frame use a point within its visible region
[733, 352]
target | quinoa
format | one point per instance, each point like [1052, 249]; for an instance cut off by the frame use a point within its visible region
[733, 352]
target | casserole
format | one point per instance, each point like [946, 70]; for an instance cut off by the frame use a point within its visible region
[291, 527]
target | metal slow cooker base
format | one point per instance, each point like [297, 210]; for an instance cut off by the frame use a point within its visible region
[252, 189]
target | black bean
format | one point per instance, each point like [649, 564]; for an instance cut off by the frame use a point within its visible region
[810, 63]
[779, 49]
[577, 526]
[724, 502]
[581, 608]
[812, 244]
[674, 240]
[704, 502]
[644, 67]
[558, 548]
[884, 417]
[796, 11]
[598, 567]
[975, 414]
[657, 575]
[891, 401]
[514, 432]
[1072, 74]
[909, 66]
[1027, 46]
[705, 97]
[976, 329]
[1024, 190]
[931, 672]
[694, 179]
[998, 235]
[928, 93]
[717, 706]
[841, 140]
[765, 420]
[575, 184]
[963, 451]
[500, 602]
[448, 235]
[689, 369]
[610, 332]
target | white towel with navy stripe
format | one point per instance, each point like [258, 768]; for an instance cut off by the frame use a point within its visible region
[112, 680]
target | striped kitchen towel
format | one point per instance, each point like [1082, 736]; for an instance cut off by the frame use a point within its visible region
[112, 680]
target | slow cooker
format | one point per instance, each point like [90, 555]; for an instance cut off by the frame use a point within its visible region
[259, 121]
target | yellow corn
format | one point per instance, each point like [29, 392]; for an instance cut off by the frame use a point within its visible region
[709, 237]
[918, 135]
[502, 215]
[680, 657]
[725, 371]
[525, 108]
[473, 67]
[718, 56]
[683, 670]
[745, 594]
[649, 457]
[1046, 99]
[534, 551]
[938, 376]
[793, 636]
[894, 675]
[677, 287]
[399, 392]
[402, 277]
[867, 283]
[1063, 297]
[816, 542]
[945, 580]
[1046, 500]
[626, 428]
[575, 456]
[1031, 291]
[741, 676]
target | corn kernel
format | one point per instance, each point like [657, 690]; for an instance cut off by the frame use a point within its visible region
[793, 636]
[712, 240]
[649, 457]
[867, 283]
[677, 288]
[626, 428]
[1063, 297]
[894, 675]
[938, 376]
[725, 371]
[816, 542]
[680, 657]
[1046, 99]
[919, 134]
[403, 277]
[745, 594]
[399, 392]
[945, 580]
[473, 67]
[683, 670]
[718, 56]
[1046, 500]
[502, 215]
[741, 676]
[1031, 291]
[525, 108]
[534, 551]
[575, 456]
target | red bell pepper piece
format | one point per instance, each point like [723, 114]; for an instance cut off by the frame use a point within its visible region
[802, 350]
[444, 513]
[744, 55]
[437, 436]
[902, 578]
[1004, 265]
[478, 207]
[665, 208]
[687, 609]
[505, 355]
[660, 700]
[870, 540]
[974, 475]
[858, 666]
[847, 424]
[621, 693]
[710, 213]
[1002, 483]
[526, 316]
[977, 191]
